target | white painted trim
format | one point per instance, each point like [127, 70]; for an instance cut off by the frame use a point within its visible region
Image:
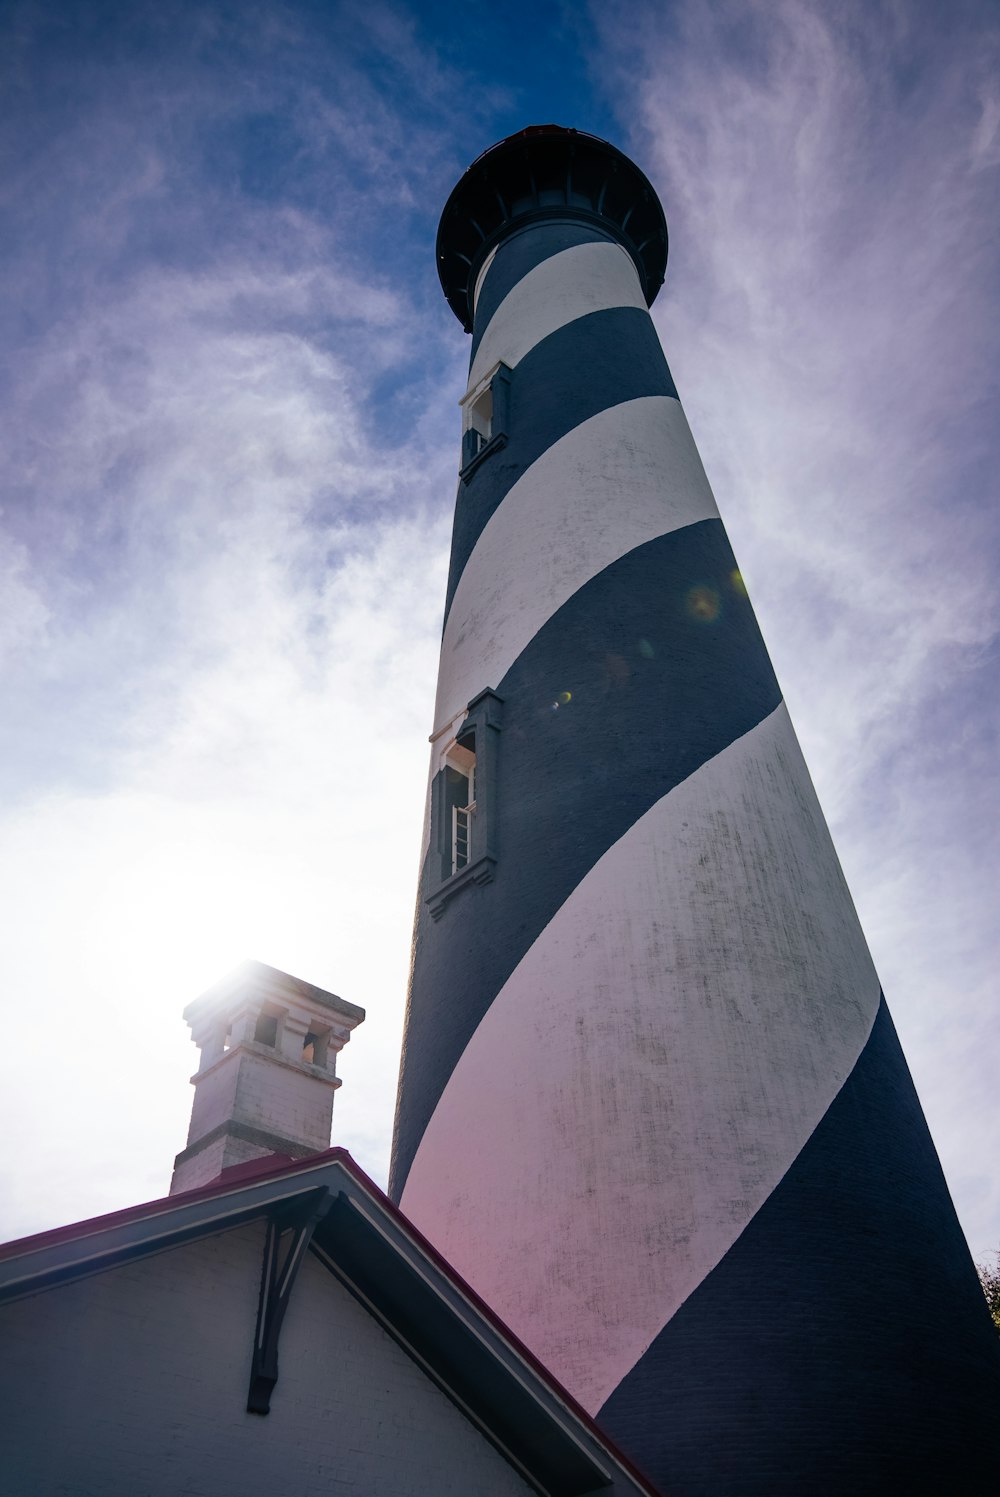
[453, 722]
[110, 1245]
[274, 1056]
[480, 278]
[473, 393]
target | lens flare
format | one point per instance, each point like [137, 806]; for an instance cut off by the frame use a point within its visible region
[738, 585]
[645, 649]
[704, 604]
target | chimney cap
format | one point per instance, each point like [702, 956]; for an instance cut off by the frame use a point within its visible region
[252, 979]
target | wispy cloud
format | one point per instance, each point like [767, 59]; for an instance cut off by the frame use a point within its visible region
[225, 534]
[227, 381]
[830, 190]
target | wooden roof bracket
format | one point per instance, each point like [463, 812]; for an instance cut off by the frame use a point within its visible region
[277, 1279]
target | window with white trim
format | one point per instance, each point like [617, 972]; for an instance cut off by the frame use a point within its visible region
[479, 423]
[485, 412]
[460, 800]
[462, 850]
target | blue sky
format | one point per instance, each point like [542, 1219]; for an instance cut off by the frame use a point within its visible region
[228, 400]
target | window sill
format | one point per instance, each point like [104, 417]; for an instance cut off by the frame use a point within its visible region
[493, 445]
[479, 872]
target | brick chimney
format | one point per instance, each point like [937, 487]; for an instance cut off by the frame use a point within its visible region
[267, 1074]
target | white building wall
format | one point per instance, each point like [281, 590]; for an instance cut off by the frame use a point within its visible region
[284, 1099]
[134, 1382]
[214, 1096]
[221, 1154]
[259, 1087]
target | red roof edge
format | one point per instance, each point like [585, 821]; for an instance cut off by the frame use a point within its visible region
[235, 1177]
[255, 1171]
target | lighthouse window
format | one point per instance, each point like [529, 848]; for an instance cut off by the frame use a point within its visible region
[460, 803]
[481, 416]
[484, 419]
[462, 850]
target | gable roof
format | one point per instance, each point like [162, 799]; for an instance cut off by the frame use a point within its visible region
[403, 1282]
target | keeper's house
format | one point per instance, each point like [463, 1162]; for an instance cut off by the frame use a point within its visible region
[142, 1350]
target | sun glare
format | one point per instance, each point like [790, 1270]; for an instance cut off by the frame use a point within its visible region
[182, 910]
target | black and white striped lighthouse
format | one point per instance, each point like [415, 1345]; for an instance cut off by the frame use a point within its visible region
[651, 1103]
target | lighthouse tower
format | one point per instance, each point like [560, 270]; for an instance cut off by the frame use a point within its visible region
[651, 1104]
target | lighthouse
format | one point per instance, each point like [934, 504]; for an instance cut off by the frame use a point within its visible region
[651, 1104]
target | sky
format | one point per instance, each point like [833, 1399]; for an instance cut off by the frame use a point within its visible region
[228, 448]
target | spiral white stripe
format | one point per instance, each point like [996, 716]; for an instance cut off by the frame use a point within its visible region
[652, 1067]
[626, 476]
[586, 278]
[484, 271]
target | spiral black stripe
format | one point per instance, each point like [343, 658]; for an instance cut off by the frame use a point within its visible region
[643, 1105]
[522, 253]
[656, 688]
[854, 1271]
[595, 362]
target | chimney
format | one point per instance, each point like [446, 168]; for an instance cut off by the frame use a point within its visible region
[267, 1074]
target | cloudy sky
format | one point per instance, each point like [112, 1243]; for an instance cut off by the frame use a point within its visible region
[228, 445]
